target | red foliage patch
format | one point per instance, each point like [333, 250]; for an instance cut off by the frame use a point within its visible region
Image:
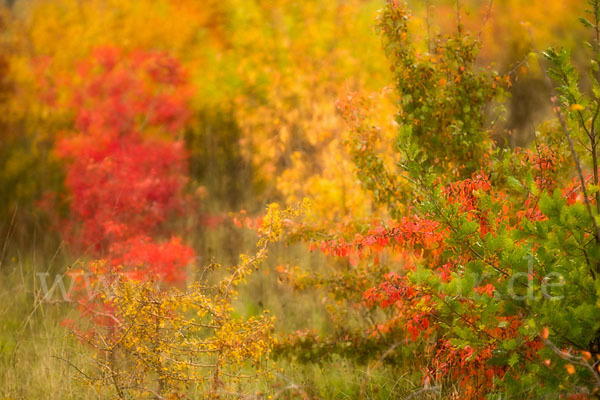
[125, 170]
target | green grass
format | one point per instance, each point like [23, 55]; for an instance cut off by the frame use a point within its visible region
[33, 344]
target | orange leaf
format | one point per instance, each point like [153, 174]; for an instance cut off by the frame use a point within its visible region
[570, 369]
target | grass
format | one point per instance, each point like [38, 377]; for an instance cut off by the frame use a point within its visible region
[33, 344]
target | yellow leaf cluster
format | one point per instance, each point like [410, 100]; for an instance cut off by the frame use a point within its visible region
[162, 341]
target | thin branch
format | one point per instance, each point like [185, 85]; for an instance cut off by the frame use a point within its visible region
[70, 364]
[458, 19]
[573, 359]
[486, 18]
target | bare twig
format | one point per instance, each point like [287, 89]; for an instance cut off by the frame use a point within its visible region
[488, 14]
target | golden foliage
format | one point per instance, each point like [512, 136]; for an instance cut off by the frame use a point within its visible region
[160, 342]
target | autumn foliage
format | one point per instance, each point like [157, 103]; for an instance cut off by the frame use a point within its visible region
[152, 334]
[127, 170]
[415, 239]
[470, 267]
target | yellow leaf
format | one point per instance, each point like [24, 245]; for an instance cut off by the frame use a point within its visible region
[577, 107]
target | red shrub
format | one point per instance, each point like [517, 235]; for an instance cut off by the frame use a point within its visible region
[125, 170]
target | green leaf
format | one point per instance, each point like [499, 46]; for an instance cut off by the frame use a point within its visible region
[510, 344]
[585, 22]
[514, 183]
